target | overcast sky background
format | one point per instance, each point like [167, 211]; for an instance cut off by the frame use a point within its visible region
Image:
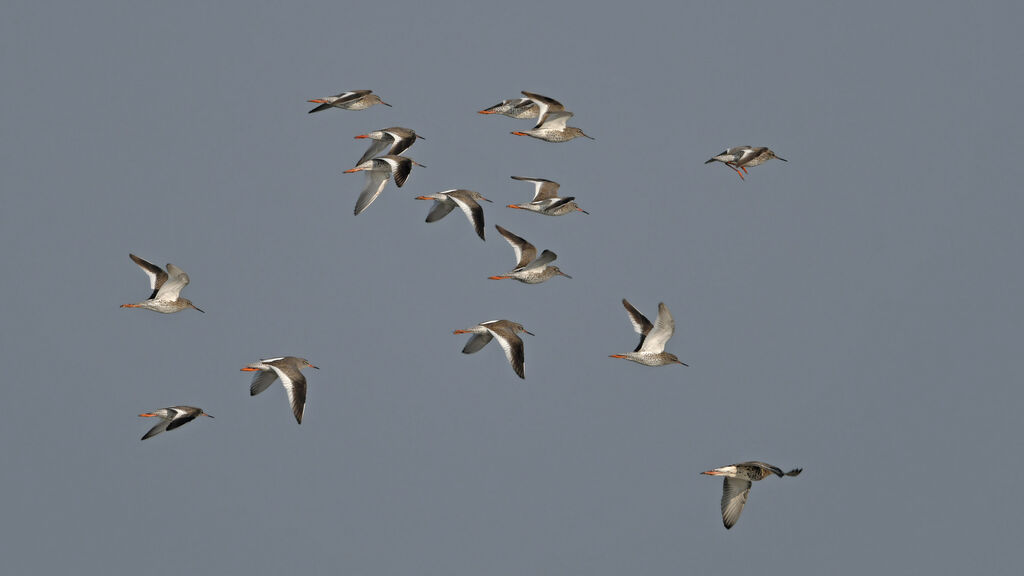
[855, 311]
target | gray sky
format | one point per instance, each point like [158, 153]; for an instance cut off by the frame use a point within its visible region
[854, 311]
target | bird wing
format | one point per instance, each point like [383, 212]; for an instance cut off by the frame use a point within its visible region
[165, 415]
[346, 97]
[471, 208]
[547, 106]
[182, 417]
[440, 209]
[641, 324]
[295, 385]
[157, 276]
[400, 168]
[402, 139]
[476, 342]
[543, 189]
[734, 496]
[375, 182]
[525, 252]
[177, 279]
[743, 154]
[261, 381]
[523, 108]
[320, 108]
[512, 344]
[555, 120]
[160, 427]
[376, 147]
[558, 202]
[546, 257]
[663, 329]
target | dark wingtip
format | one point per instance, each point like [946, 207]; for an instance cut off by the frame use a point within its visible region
[709, 161]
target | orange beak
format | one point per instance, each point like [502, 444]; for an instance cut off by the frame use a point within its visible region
[247, 369]
[317, 101]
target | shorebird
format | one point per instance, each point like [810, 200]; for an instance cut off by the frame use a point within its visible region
[445, 202]
[171, 418]
[505, 331]
[395, 140]
[166, 288]
[354, 100]
[514, 108]
[736, 488]
[528, 270]
[378, 170]
[289, 370]
[545, 199]
[651, 349]
[551, 125]
[740, 157]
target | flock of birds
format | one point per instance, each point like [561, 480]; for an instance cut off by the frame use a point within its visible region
[382, 162]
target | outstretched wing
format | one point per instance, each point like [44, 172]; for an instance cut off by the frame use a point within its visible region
[734, 496]
[641, 324]
[663, 329]
[156, 275]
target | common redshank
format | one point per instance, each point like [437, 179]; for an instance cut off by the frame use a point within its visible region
[545, 199]
[651, 349]
[166, 288]
[354, 100]
[514, 108]
[378, 170]
[506, 333]
[528, 270]
[741, 157]
[736, 488]
[289, 370]
[395, 140]
[467, 200]
[551, 123]
[171, 418]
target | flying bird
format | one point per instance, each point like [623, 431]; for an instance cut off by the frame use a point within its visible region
[529, 269]
[545, 199]
[378, 170]
[741, 157]
[651, 349]
[514, 108]
[166, 288]
[355, 100]
[506, 333]
[466, 200]
[289, 370]
[736, 487]
[171, 418]
[395, 140]
[551, 123]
